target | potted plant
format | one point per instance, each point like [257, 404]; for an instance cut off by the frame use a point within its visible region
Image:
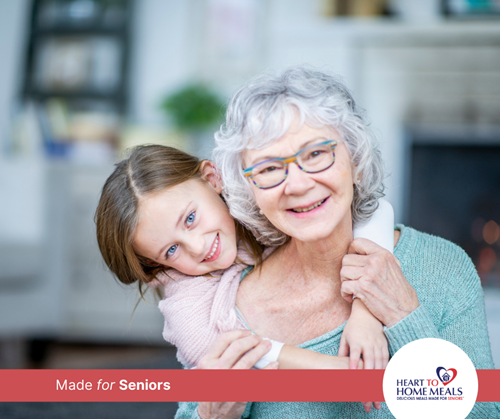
[196, 110]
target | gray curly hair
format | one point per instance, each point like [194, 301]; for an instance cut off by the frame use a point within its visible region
[263, 110]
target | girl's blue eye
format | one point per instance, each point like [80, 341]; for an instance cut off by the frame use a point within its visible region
[172, 250]
[190, 218]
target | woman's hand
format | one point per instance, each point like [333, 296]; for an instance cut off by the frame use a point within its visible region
[238, 349]
[374, 275]
[364, 335]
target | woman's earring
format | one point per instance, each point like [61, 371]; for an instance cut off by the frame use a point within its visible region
[260, 212]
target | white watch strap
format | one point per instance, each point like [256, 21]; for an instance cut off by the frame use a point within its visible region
[271, 356]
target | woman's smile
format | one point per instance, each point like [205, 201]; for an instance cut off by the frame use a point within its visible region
[308, 210]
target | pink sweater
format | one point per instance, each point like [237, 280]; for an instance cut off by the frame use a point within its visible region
[197, 309]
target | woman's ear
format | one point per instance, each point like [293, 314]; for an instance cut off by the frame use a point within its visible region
[210, 173]
[356, 176]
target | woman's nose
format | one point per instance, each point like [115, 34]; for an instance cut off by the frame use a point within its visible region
[297, 181]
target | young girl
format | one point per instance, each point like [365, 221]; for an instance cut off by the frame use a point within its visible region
[161, 220]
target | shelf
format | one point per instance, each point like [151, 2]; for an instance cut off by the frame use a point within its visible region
[83, 31]
[95, 52]
[75, 95]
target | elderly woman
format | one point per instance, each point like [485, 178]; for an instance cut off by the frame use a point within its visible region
[300, 167]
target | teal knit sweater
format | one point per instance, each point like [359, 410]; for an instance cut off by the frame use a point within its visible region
[451, 308]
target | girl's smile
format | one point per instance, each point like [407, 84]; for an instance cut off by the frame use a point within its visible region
[215, 252]
[187, 227]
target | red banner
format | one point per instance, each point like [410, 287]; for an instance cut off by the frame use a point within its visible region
[205, 385]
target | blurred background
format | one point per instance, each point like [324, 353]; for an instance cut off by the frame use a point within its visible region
[82, 80]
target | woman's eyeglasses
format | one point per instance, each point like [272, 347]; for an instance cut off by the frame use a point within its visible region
[312, 159]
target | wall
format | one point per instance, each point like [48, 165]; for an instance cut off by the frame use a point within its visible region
[13, 24]
[164, 45]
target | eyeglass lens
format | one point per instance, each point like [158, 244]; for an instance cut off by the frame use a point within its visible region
[311, 160]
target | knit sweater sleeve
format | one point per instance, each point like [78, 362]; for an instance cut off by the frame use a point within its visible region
[187, 410]
[451, 306]
[464, 325]
[451, 300]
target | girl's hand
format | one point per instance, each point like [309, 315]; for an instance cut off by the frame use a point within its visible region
[374, 275]
[364, 335]
[238, 349]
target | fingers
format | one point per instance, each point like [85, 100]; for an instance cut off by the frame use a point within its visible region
[238, 354]
[378, 359]
[385, 356]
[344, 347]
[235, 349]
[247, 359]
[381, 356]
[350, 273]
[221, 409]
[354, 358]
[348, 289]
[373, 358]
[353, 260]
[369, 359]
[367, 406]
[271, 366]
[222, 342]
[364, 247]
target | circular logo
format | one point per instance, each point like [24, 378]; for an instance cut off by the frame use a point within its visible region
[431, 377]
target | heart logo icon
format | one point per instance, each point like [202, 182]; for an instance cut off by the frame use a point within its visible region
[444, 375]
